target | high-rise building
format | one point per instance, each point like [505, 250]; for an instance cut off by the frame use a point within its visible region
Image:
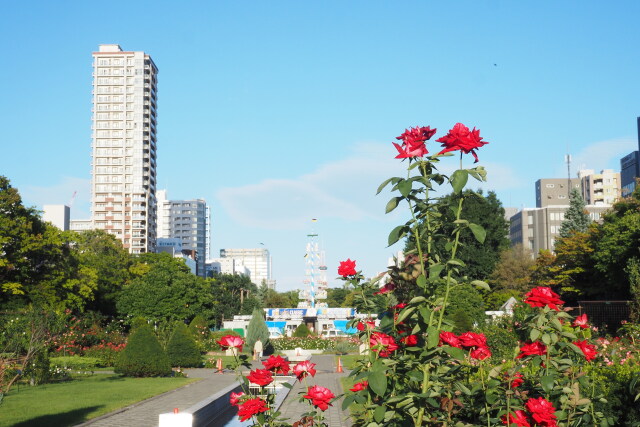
[257, 261]
[58, 215]
[630, 169]
[554, 191]
[123, 184]
[600, 189]
[189, 221]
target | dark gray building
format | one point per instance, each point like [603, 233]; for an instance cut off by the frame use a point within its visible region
[630, 169]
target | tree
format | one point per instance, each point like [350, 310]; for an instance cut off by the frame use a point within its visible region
[513, 270]
[182, 349]
[633, 270]
[576, 218]
[257, 330]
[143, 356]
[229, 294]
[336, 297]
[480, 258]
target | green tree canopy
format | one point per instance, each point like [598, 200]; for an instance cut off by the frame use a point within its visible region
[480, 258]
[576, 218]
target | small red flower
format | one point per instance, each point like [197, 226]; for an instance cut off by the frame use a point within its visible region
[367, 324]
[235, 398]
[519, 418]
[461, 138]
[320, 397]
[231, 341]
[471, 339]
[277, 365]
[362, 385]
[388, 287]
[581, 321]
[383, 344]
[261, 377]
[451, 339]
[303, 369]
[413, 142]
[532, 349]
[399, 306]
[251, 407]
[517, 380]
[480, 353]
[543, 296]
[347, 268]
[589, 350]
[542, 412]
[410, 340]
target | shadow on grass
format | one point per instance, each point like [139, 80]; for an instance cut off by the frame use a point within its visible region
[71, 418]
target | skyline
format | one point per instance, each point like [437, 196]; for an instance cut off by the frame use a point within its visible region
[277, 114]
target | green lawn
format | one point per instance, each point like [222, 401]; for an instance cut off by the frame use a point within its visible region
[73, 402]
[348, 360]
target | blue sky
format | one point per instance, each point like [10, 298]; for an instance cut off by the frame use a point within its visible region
[279, 112]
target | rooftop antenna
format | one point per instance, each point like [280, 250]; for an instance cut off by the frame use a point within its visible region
[567, 159]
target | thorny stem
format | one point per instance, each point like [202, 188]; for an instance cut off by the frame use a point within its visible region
[416, 231]
[484, 388]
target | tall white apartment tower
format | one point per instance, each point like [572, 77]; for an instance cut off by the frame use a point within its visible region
[123, 184]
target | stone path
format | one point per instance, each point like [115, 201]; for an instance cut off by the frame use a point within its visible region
[145, 413]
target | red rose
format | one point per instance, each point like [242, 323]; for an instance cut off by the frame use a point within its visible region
[367, 324]
[231, 341]
[451, 339]
[399, 306]
[517, 380]
[320, 397]
[461, 138]
[251, 407]
[383, 344]
[589, 350]
[480, 353]
[536, 348]
[235, 398]
[519, 418]
[277, 365]
[471, 339]
[389, 287]
[347, 268]
[261, 377]
[543, 296]
[362, 385]
[410, 340]
[542, 412]
[580, 321]
[303, 369]
[413, 142]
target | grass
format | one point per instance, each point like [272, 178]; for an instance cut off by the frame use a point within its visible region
[74, 402]
[349, 360]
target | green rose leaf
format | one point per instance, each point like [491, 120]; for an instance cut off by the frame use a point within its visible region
[348, 400]
[481, 285]
[392, 204]
[378, 414]
[433, 337]
[396, 234]
[546, 381]
[534, 335]
[435, 270]
[455, 352]
[478, 232]
[422, 281]
[385, 183]
[459, 180]
[378, 382]
[404, 187]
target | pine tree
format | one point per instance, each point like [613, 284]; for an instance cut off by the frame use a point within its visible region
[257, 329]
[143, 356]
[182, 349]
[576, 218]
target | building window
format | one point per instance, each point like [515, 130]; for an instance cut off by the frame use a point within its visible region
[550, 185]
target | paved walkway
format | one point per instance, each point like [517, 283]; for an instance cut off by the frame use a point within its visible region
[293, 409]
[145, 413]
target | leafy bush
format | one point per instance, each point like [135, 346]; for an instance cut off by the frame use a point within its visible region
[143, 356]
[107, 354]
[614, 382]
[306, 343]
[37, 371]
[182, 349]
[501, 338]
[302, 331]
[198, 328]
[76, 363]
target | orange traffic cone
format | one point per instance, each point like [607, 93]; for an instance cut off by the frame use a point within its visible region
[339, 370]
[219, 365]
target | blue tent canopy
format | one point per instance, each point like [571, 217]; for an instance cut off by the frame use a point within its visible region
[276, 324]
[342, 325]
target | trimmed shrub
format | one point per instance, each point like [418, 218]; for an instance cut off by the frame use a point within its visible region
[257, 329]
[182, 348]
[302, 331]
[198, 328]
[76, 363]
[143, 356]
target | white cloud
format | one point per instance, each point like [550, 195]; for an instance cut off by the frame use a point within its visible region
[599, 155]
[343, 189]
[59, 194]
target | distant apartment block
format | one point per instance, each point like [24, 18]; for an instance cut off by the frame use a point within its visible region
[630, 169]
[189, 221]
[226, 266]
[123, 182]
[57, 215]
[257, 261]
[537, 229]
[174, 248]
[80, 224]
[601, 189]
[554, 191]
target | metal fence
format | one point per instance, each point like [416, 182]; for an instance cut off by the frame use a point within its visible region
[605, 314]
